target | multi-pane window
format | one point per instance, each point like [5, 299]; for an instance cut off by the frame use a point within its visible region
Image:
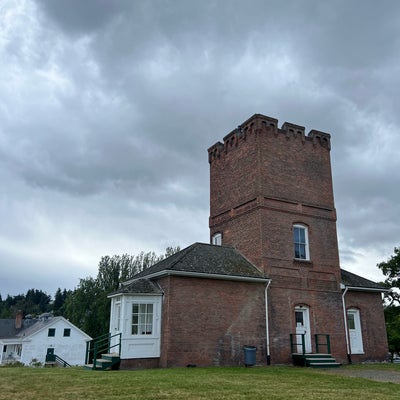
[52, 332]
[300, 240]
[142, 319]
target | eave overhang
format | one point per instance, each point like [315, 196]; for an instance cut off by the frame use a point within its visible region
[207, 276]
[363, 289]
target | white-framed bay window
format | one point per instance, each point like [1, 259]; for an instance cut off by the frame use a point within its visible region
[138, 319]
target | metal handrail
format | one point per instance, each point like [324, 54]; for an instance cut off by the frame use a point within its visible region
[101, 344]
[294, 343]
[318, 343]
[57, 359]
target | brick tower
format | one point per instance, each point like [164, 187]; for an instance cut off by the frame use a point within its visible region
[271, 197]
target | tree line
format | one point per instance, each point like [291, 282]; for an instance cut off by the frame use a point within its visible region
[87, 306]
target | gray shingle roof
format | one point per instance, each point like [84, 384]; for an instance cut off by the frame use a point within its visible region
[32, 326]
[29, 326]
[204, 259]
[139, 286]
[7, 328]
[352, 280]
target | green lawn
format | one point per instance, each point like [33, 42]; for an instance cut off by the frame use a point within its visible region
[191, 383]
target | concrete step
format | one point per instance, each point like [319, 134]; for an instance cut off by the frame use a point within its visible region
[50, 364]
[111, 357]
[320, 360]
[315, 360]
[324, 365]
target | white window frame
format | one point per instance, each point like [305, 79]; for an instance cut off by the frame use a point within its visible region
[216, 239]
[305, 243]
[143, 319]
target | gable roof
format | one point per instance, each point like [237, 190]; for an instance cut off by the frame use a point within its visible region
[201, 260]
[356, 282]
[30, 327]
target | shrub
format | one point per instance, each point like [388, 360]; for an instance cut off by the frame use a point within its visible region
[35, 363]
[14, 364]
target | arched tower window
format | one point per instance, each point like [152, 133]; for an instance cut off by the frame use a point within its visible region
[217, 239]
[300, 241]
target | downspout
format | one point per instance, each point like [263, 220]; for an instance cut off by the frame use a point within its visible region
[345, 325]
[267, 324]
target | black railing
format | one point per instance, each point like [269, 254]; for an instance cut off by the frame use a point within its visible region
[326, 344]
[298, 343]
[54, 358]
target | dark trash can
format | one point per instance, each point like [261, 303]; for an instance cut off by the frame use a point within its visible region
[249, 355]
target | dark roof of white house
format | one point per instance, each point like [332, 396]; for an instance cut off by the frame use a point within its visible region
[355, 281]
[7, 328]
[29, 326]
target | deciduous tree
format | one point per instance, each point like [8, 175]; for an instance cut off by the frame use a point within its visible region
[391, 269]
[88, 306]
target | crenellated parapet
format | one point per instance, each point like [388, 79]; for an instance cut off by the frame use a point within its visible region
[261, 124]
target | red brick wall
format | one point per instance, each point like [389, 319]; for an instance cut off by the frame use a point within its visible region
[264, 180]
[270, 162]
[207, 322]
[326, 317]
[139, 363]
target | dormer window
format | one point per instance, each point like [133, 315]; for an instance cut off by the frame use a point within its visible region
[300, 240]
[217, 239]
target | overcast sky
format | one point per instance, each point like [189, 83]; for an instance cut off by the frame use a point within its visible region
[107, 109]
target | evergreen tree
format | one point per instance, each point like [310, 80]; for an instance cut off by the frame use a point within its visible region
[59, 301]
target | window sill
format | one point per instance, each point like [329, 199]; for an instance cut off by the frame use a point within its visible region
[143, 335]
[301, 261]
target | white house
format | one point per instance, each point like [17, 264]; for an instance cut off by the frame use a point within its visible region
[27, 340]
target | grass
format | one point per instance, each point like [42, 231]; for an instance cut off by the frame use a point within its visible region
[191, 383]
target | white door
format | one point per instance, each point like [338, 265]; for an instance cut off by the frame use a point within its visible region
[355, 335]
[302, 317]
